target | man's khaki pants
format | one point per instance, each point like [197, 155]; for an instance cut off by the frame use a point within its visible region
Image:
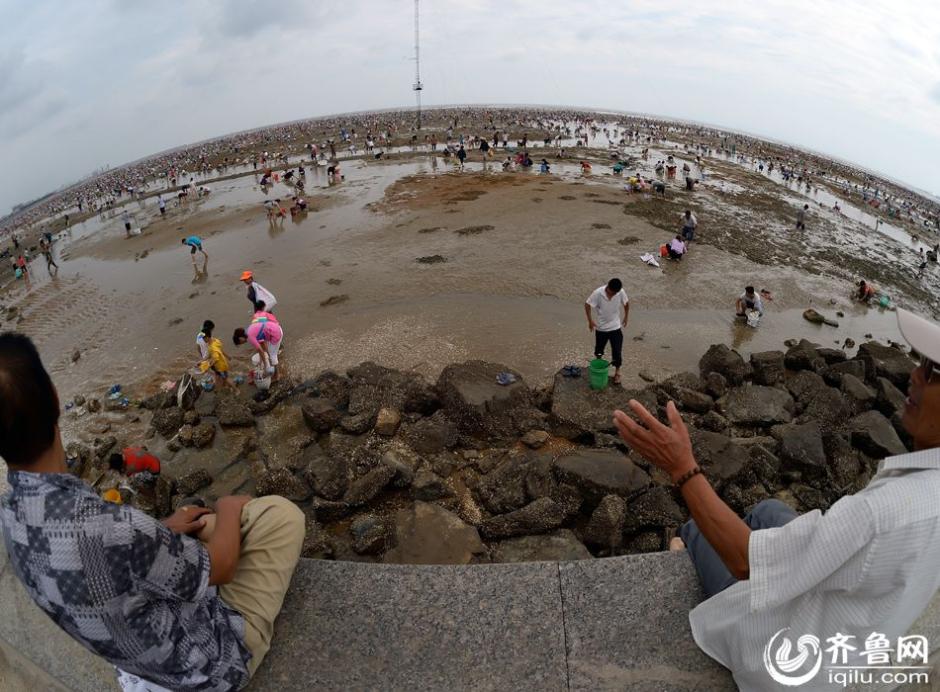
[272, 536]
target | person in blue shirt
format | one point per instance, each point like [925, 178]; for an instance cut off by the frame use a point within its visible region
[195, 243]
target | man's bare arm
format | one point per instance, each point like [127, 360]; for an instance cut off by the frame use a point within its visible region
[670, 448]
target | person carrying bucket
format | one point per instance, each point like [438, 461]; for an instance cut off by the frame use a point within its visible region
[606, 302]
[257, 293]
[265, 335]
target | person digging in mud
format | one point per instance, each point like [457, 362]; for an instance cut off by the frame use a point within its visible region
[749, 300]
[134, 460]
[871, 563]
[606, 302]
[195, 243]
[865, 292]
[185, 603]
[265, 336]
[676, 248]
[257, 293]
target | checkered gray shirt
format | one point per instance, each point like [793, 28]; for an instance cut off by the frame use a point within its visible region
[122, 584]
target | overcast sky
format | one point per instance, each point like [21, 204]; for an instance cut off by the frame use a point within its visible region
[102, 82]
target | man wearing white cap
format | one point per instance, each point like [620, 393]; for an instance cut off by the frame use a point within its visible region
[779, 586]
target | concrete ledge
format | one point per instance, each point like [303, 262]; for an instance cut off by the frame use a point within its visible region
[616, 623]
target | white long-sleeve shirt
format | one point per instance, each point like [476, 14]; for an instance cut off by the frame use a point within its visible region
[871, 564]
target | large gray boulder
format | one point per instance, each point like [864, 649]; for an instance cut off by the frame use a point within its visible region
[281, 481]
[833, 373]
[539, 516]
[328, 475]
[479, 405]
[372, 387]
[846, 470]
[320, 414]
[722, 460]
[600, 472]
[804, 356]
[167, 421]
[558, 546]
[890, 399]
[504, 489]
[721, 359]
[366, 488]
[580, 412]
[431, 435]
[233, 412]
[873, 434]
[757, 406]
[768, 367]
[605, 527]
[654, 509]
[801, 449]
[694, 401]
[804, 385]
[332, 386]
[193, 482]
[370, 534]
[426, 534]
[859, 395]
[886, 361]
[829, 407]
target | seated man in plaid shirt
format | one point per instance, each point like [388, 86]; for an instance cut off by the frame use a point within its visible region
[167, 609]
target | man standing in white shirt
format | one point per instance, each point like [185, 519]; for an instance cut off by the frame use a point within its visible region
[606, 302]
[865, 569]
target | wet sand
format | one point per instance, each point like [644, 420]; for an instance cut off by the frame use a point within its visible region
[520, 252]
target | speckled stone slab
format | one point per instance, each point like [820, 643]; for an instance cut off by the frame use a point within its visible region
[350, 626]
[627, 625]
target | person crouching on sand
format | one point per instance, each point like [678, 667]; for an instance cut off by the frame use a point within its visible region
[265, 336]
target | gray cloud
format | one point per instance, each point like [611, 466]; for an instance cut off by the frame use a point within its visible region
[106, 81]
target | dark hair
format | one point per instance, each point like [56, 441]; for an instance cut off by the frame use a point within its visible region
[182, 241]
[208, 326]
[29, 404]
[238, 336]
[116, 462]
[614, 285]
[687, 211]
[260, 306]
[748, 289]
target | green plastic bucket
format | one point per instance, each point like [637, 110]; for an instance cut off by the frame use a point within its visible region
[599, 373]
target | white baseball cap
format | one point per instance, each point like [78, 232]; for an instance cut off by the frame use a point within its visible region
[923, 335]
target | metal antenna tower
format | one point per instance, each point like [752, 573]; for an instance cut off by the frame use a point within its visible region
[417, 85]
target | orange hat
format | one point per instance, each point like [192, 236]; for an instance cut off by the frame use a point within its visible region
[112, 495]
[247, 275]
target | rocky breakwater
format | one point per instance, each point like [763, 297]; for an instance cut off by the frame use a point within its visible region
[390, 467]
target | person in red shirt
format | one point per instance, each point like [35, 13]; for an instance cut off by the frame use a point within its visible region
[134, 460]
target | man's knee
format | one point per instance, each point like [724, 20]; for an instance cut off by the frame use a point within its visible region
[282, 514]
[771, 512]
